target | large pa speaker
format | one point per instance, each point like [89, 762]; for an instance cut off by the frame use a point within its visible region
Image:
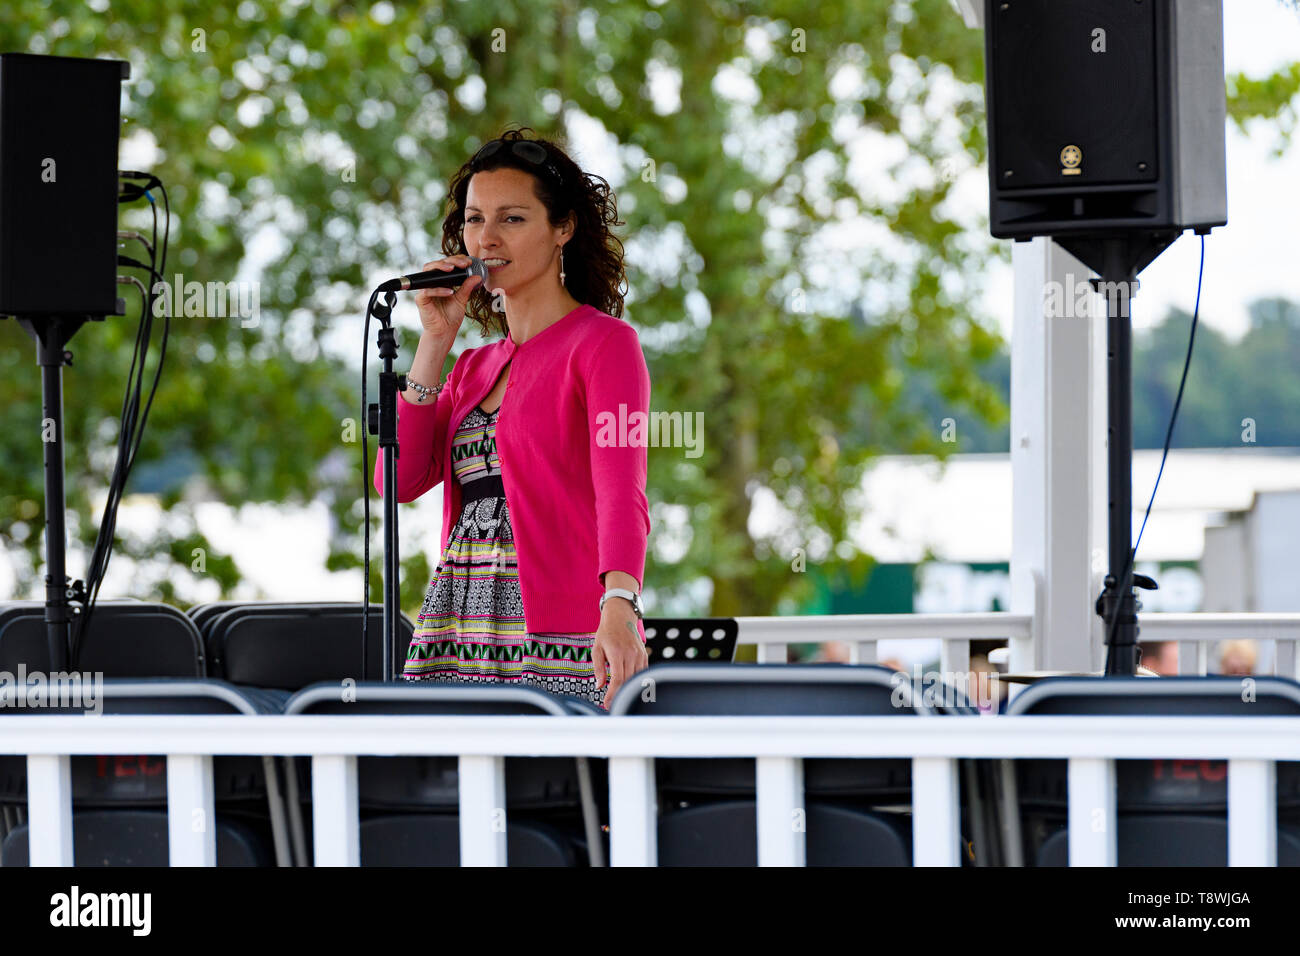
[1105, 117]
[59, 123]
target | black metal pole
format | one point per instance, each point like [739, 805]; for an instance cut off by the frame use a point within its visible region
[1117, 599]
[392, 581]
[51, 334]
[385, 415]
[56, 597]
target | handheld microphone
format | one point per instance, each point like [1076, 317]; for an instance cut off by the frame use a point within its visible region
[436, 278]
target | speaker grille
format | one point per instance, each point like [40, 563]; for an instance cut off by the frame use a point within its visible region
[1054, 91]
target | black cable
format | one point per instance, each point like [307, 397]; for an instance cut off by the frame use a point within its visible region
[365, 491]
[133, 421]
[167, 227]
[128, 442]
[1126, 575]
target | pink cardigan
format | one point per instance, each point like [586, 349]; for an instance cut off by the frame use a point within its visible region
[573, 468]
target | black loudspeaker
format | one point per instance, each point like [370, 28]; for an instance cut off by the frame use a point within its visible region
[1105, 117]
[59, 124]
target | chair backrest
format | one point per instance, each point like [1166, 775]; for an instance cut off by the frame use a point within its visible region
[1171, 785]
[204, 614]
[377, 697]
[775, 690]
[290, 646]
[141, 780]
[127, 639]
[684, 640]
[138, 837]
[768, 690]
[422, 783]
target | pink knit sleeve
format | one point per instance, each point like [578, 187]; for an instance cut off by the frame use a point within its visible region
[618, 386]
[421, 433]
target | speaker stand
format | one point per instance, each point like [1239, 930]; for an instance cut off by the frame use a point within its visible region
[52, 334]
[1118, 259]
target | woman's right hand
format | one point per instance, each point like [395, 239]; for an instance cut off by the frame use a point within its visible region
[443, 310]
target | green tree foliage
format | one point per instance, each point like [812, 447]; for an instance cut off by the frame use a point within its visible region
[1230, 381]
[332, 129]
[1270, 97]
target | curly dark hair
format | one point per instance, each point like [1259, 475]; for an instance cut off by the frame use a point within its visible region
[593, 264]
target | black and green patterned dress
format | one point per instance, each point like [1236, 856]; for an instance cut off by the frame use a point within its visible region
[471, 627]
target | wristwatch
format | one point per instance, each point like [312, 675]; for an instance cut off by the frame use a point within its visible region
[623, 593]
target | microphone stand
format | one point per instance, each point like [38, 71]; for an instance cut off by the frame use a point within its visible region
[382, 421]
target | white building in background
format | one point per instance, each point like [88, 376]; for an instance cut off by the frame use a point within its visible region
[1252, 556]
[960, 513]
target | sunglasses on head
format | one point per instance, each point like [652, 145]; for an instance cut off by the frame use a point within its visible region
[526, 150]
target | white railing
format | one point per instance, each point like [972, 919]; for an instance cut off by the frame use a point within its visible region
[861, 632]
[1195, 633]
[934, 744]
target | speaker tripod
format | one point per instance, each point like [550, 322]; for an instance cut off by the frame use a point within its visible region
[1118, 259]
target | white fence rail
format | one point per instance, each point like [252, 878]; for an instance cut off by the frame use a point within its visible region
[1195, 633]
[934, 744]
[862, 632]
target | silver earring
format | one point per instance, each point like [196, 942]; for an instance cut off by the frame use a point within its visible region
[561, 265]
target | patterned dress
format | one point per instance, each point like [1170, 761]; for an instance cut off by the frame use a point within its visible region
[471, 627]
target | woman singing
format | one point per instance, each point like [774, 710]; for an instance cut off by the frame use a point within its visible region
[545, 518]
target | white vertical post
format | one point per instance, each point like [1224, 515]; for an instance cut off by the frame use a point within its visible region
[863, 652]
[1027, 586]
[1252, 813]
[1055, 445]
[336, 820]
[1284, 658]
[781, 814]
[773, 653]
[1193, 658]
[191, 816]
[936, 836]
[633, 812]
[954, 658]
[482, 811]
[1099, 469]
[1093, 827]
[49, 810]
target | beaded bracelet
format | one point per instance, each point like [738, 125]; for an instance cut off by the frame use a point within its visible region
[424, 390]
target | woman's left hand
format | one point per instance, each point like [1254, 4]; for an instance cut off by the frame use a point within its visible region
[618, 644]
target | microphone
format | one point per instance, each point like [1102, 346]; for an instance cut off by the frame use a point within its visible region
[436, 278]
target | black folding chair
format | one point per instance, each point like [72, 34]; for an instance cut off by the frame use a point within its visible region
[289, 646]
[1169, 812]
[127, 638]
[410, 805]
[119, 803]
[857, 810]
